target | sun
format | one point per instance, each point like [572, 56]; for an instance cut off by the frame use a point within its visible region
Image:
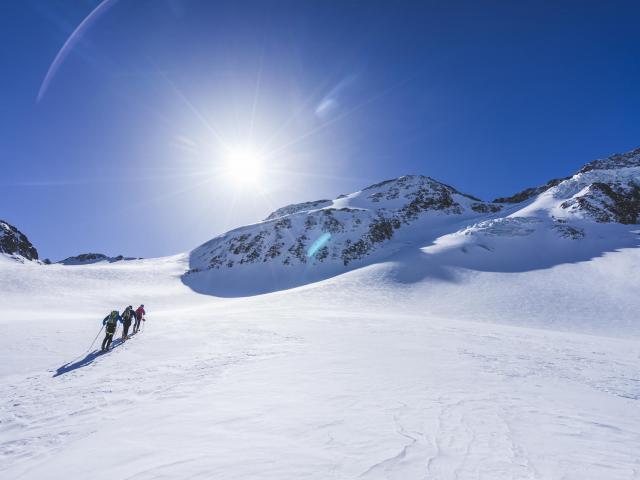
[244, 165]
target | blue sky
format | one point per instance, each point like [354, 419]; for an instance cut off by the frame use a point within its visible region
[127, 149]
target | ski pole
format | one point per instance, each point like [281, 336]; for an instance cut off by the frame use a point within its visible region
[94, 340]
[90, 346]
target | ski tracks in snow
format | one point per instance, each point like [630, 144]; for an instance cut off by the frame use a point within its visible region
[41, 414]
[535, 405]
[457, 439]
[339, 397]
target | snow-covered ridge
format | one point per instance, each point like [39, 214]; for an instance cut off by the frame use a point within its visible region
[528, 193]
[601, 195]
[342, 232]
[298, 207]
[618, 160]
[614, 162]
[15, 244]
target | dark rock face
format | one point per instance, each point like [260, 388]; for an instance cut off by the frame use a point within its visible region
[485, 207]
[568, 231]
[14, 242]
[380, 230]
[86, 258]
[607, 203]
[530, 192]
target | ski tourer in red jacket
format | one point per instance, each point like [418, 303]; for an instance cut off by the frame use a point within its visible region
[140, 313]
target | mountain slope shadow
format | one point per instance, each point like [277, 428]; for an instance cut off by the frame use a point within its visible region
[254, 280]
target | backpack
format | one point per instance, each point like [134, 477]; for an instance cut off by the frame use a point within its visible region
[126, 316]
[112, 317]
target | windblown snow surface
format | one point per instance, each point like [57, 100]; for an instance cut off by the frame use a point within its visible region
[413, 368]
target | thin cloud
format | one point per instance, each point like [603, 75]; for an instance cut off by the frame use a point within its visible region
[333, 100]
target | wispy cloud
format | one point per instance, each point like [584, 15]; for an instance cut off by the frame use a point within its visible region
[332, 101]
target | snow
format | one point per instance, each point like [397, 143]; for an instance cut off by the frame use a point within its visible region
[407, 369]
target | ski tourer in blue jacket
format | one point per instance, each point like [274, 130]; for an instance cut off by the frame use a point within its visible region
[110, 322]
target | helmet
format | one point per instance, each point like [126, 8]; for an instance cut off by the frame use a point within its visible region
[129, 307]
[142, 305]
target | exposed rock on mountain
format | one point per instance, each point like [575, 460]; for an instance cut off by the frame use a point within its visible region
[615, 202]
[530, 192]
[341, 231]
[615, 161]
[87, 258]
[15, 243]
[604, 190]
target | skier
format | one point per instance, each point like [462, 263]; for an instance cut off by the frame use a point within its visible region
[110, 322]
[139, 317]
[127, 317]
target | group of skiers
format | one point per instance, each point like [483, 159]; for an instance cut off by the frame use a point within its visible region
[129, 315]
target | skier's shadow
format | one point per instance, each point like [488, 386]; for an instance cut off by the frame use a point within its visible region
[88, 360]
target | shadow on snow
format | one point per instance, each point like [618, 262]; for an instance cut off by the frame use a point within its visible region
[88, 360]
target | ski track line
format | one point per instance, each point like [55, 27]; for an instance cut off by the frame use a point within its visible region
[33, 419]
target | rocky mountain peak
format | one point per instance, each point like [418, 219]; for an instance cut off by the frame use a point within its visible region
[15, 243]
[615, 161]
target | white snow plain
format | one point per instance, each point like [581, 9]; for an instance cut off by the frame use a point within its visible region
[381, 373]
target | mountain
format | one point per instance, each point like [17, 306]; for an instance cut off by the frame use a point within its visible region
[312, 240]
[15, 244]
[88, 258]
[568, 219]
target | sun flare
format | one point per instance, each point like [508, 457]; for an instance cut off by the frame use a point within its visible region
[244, 165]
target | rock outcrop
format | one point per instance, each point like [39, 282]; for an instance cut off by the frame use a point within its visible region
[15, 243]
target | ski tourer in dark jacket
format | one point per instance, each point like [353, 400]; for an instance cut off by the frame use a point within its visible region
[110, 323]
[127, 318]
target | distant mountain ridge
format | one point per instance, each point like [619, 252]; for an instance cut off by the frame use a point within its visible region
[88, 258]
[312, 240]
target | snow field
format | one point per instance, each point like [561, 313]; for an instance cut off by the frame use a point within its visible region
[381, 373]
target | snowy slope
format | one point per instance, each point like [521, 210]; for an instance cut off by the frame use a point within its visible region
[384, 372]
